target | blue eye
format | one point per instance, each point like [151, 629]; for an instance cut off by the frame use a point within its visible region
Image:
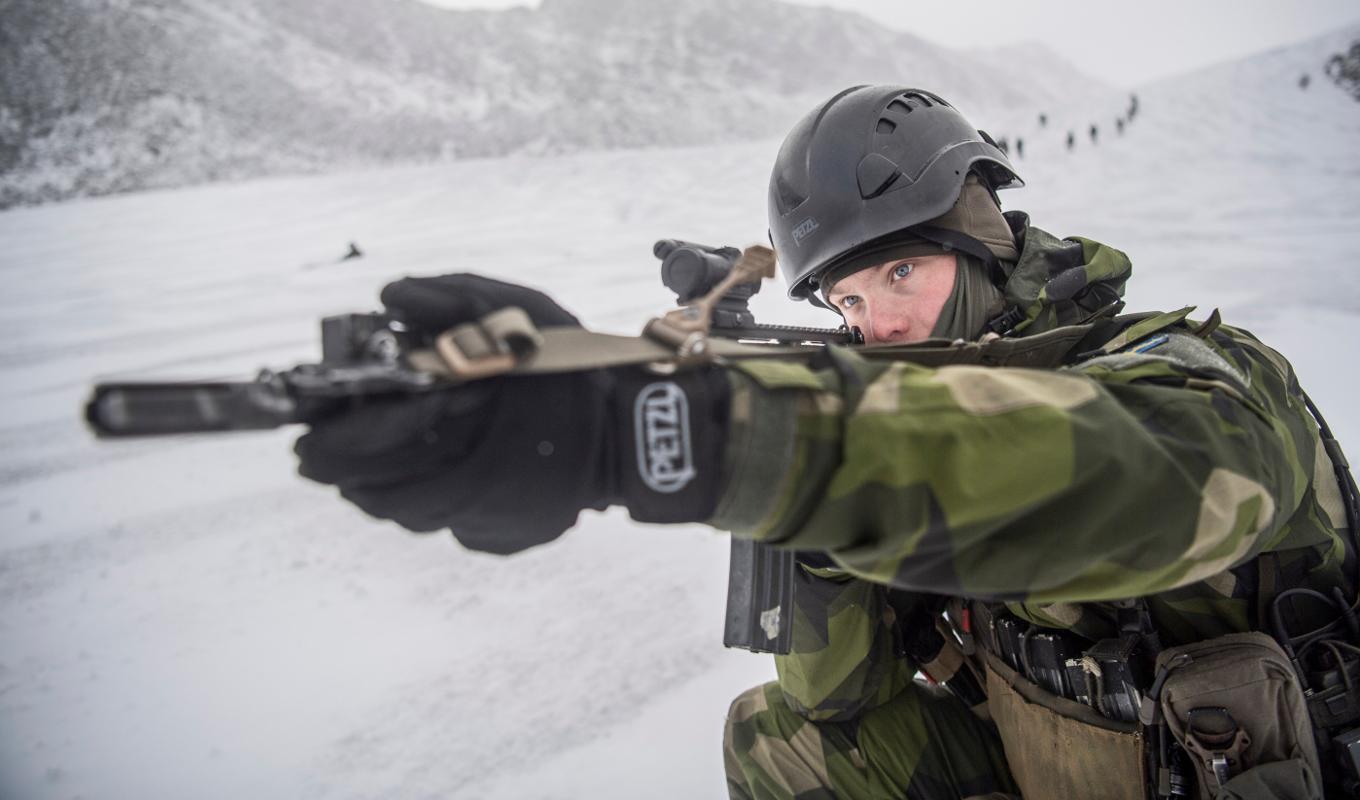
[849, 300]
[901, 271]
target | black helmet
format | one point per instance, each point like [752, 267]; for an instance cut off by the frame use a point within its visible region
[867, 165]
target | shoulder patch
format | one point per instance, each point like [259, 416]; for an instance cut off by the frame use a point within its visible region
[1186, 351]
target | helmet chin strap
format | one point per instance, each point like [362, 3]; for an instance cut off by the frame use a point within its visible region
[814, 296]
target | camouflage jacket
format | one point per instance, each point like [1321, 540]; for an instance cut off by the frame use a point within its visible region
[1160, 461]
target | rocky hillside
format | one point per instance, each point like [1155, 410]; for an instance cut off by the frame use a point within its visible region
[103, 96]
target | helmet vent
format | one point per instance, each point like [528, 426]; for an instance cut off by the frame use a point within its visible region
[876, 174]
[789, 197]
[885, 127]
[910, 101]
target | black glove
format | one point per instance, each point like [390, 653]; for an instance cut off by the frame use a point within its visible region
[509, 462]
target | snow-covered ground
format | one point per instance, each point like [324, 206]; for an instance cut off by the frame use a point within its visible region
[187, 618]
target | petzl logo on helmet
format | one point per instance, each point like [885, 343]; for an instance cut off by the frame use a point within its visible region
[661, 420]
[804, 229]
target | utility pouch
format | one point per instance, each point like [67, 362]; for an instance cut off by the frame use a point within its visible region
[1059, 748]
[1235, 706]
[1334, 699]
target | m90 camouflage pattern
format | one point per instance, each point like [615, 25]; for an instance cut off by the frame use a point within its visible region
[1156, 457]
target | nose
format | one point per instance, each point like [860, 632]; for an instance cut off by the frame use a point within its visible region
[885, 328]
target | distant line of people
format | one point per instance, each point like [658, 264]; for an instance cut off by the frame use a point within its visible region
[1005, 146]
[1342, 68]
[1004, 143]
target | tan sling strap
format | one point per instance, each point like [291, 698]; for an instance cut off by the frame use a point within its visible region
[507, 342]
[575, 349]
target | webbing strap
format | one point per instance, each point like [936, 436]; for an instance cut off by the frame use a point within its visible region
[1267, 586]
[490, 346]
[577, 349]
[571, 349]
[1345, 480]
[506, 342]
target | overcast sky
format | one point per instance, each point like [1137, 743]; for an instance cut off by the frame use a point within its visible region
[1125, 42]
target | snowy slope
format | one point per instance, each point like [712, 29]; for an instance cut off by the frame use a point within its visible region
[186, 618]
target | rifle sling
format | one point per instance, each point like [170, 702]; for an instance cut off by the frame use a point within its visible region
[570, 349]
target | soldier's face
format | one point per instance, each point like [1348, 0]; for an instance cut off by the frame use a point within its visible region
[897, 301]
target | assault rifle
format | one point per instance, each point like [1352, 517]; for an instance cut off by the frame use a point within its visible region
[368, 354]
[760, 578]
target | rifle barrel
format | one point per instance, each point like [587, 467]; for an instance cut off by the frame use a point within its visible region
[154, 409]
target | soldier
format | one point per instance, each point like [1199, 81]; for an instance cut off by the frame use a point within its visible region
[1071, 140]
[1019, 147]
[1094, 131]
[1344, 70]
[1140, 476]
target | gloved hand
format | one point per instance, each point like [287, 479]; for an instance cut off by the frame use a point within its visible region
[509, 462]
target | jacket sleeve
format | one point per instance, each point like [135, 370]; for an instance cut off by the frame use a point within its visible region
[1132, 474]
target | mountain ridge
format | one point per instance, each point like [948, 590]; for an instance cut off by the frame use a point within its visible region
[104, 96]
